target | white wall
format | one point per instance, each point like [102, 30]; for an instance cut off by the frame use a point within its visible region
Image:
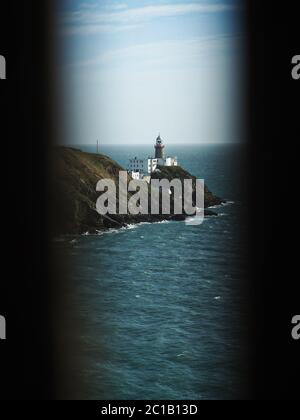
[147, 166]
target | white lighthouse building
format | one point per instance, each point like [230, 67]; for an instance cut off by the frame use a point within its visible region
[140, 168]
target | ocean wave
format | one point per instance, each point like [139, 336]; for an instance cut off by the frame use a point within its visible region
[153, 223]
[192, 220]
[228, 203]
[121, 229]
[219, 206]
[129, 227]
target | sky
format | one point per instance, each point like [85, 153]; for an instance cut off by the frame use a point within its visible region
[133, 69]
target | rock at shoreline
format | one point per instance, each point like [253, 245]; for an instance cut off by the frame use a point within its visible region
[74, 178]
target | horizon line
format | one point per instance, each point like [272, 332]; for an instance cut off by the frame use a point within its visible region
[151, 144]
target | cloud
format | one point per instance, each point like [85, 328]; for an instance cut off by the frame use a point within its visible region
[166, 54]
[118, 6]
[96, 29]
[85, 21]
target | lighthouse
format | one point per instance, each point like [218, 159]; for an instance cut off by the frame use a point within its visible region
[159, 148]
[143, 168]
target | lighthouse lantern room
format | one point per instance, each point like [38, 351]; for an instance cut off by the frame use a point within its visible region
[159, 148]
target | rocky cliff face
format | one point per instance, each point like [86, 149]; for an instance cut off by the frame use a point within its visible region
[74, 195]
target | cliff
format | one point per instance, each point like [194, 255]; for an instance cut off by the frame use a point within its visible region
[74, 178]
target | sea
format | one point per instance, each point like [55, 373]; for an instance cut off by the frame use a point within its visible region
[159, 311]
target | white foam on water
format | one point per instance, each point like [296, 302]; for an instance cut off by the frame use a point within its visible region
[228, 203]
[192, 220]
[153, 223]
[129, 227]
[116, 230]
[112, 230]
[218, 206]
[182, 354]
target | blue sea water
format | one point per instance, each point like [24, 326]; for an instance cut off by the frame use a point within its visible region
[160, 308]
